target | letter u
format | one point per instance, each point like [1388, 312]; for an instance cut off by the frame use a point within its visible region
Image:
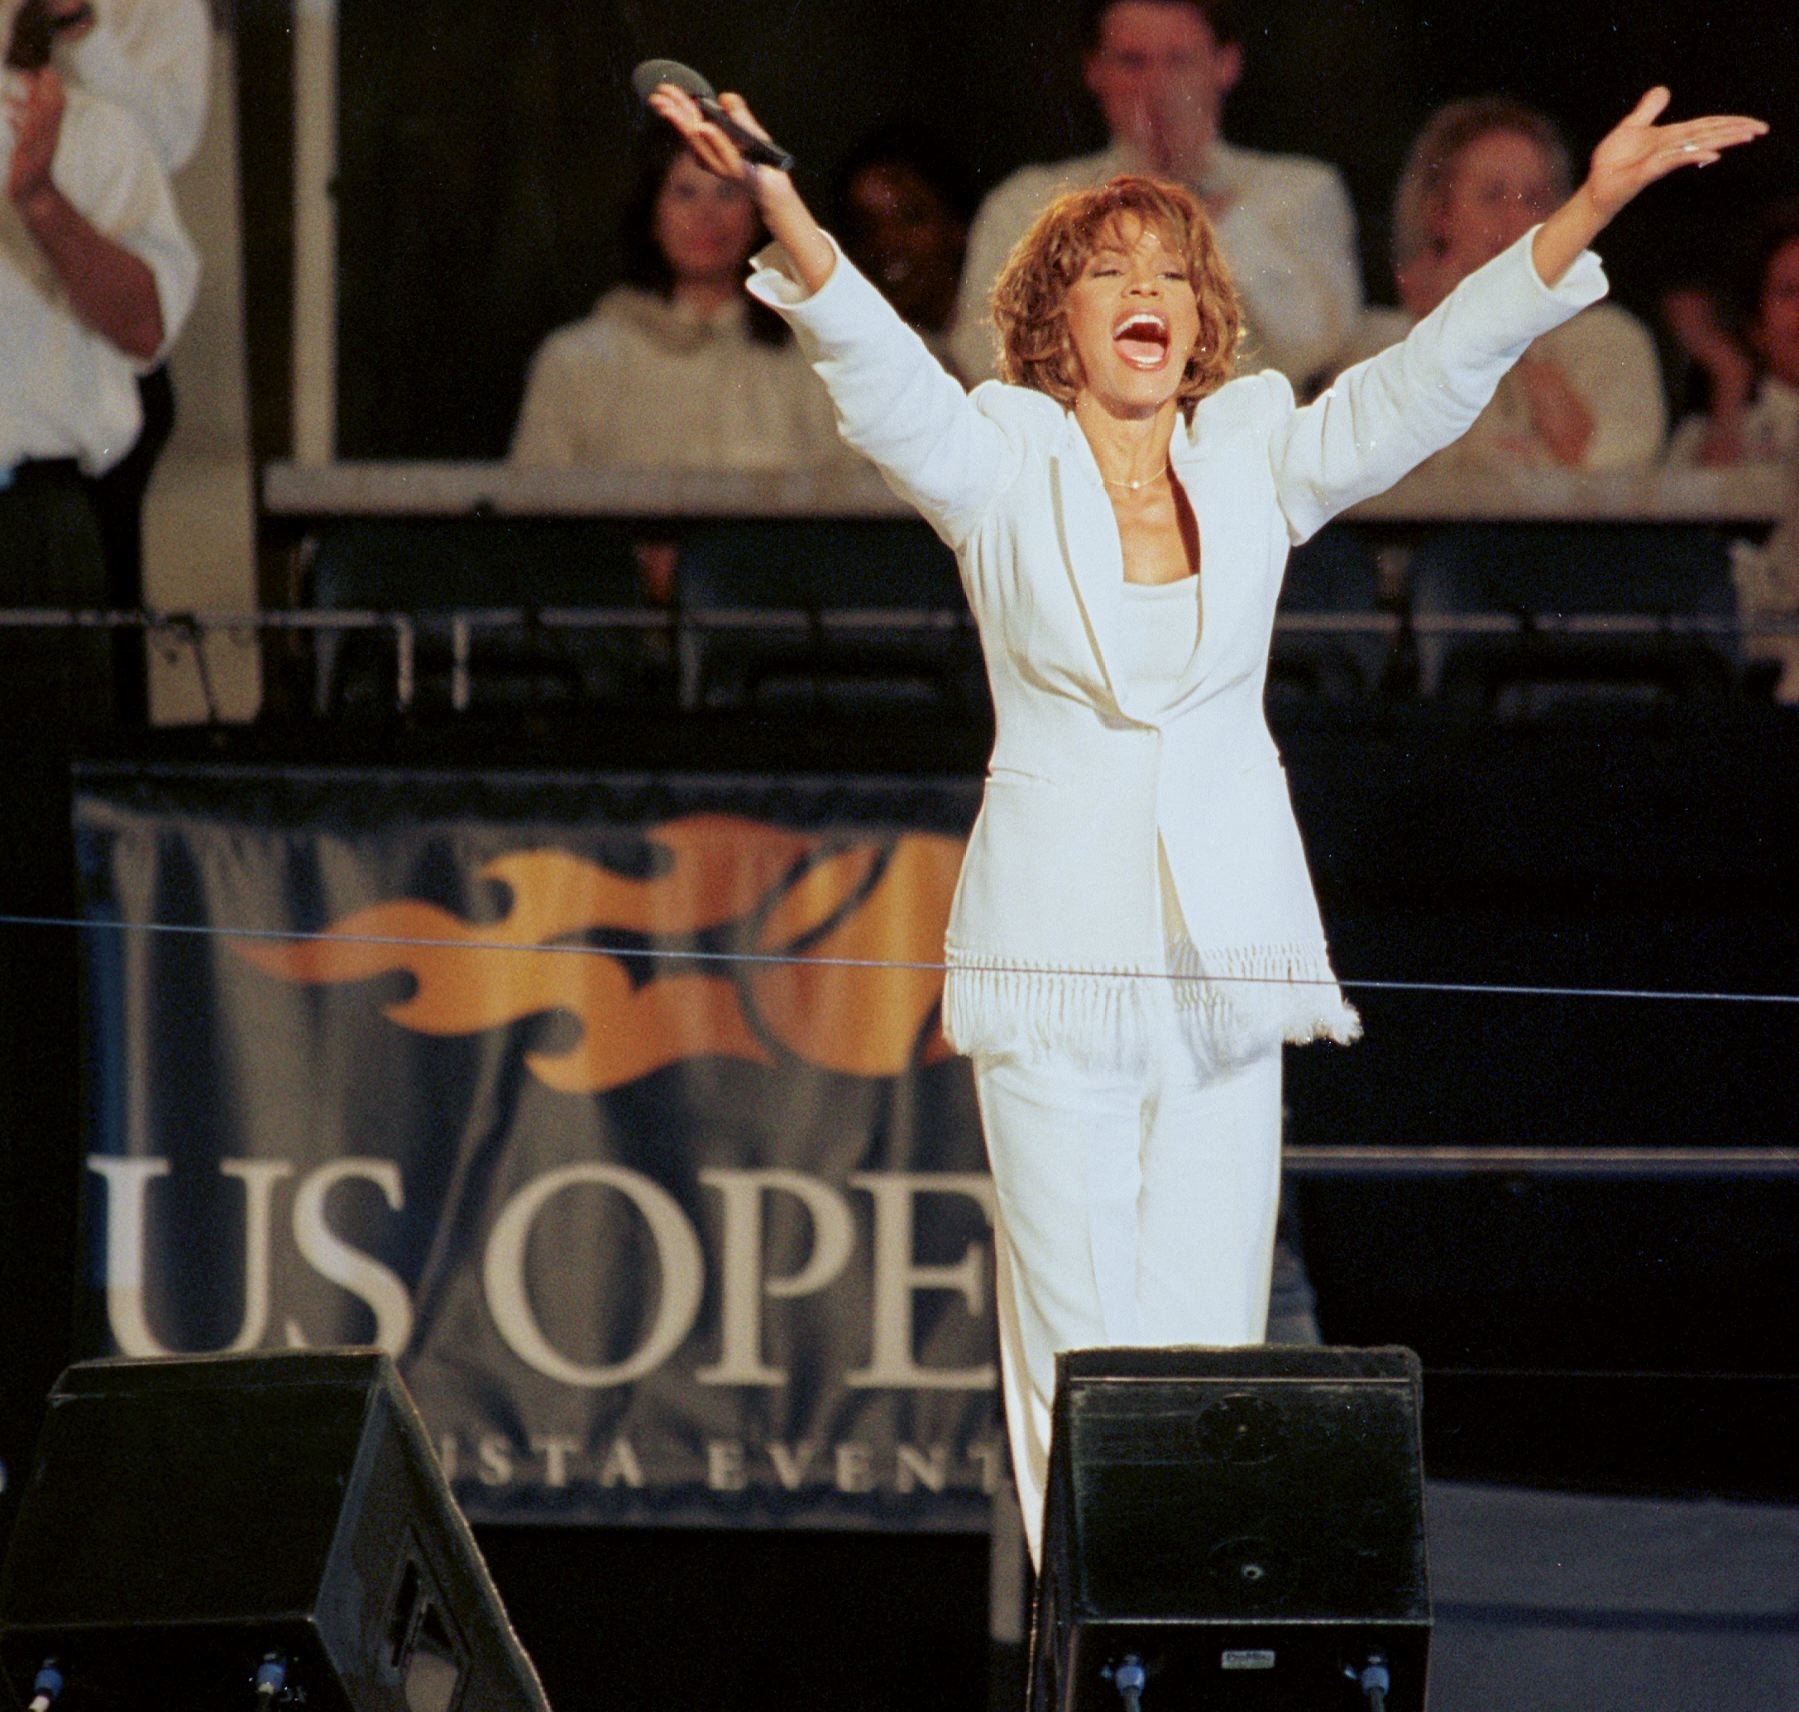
[127, 1197]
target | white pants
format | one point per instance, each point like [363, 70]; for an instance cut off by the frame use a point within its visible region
[1132, 1210]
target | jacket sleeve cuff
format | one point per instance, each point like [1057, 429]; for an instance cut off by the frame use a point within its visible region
[840, 309]
[1581, 286]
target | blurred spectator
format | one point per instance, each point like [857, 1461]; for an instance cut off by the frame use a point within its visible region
[1589, 394]
[678, 367]
[1753, 417]
[1750, 359]
[96, 278]
[904, 206]
[152, 58]
[1160, 71]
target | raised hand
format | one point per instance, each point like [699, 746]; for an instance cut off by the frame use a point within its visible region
[1692, 317]
[1633, 156]
[1638, 151]
[711, 144]
[787, 217]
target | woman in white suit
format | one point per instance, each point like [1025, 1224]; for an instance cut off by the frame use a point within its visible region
[1134, 934]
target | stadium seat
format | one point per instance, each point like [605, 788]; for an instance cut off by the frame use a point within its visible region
[838, 616]
[436, 568]
[1665, 590]
[1330, 576]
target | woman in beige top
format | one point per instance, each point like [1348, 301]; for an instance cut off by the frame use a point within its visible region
[678, 367]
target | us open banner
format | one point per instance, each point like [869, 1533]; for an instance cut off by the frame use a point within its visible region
[439, 1063]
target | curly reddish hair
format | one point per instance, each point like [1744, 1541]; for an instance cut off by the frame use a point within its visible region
[1030, 297]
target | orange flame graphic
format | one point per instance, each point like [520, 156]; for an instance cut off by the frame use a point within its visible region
[884, 900]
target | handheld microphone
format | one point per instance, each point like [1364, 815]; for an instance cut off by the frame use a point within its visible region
[656, 71]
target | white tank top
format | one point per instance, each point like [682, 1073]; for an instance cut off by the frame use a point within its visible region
[1161, 627]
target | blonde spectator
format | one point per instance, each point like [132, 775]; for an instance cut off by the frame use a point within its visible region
[1588, 394]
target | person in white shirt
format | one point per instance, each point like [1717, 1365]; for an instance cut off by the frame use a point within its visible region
[153, 59]
[1588, 394]
[96, 278]
[1134, 932]
[1160, 71]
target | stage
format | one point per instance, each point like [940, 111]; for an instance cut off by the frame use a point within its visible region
[1596, 1271]
[1544, 1601]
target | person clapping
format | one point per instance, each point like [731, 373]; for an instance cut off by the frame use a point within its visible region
[1748, 353]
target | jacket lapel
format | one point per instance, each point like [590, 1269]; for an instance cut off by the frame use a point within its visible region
[1199, 481]
[1088, 536]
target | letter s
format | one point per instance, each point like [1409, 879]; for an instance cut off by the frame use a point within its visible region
[333, 1258]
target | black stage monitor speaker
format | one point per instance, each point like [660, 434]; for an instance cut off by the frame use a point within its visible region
[1234, 1530]
[249, 1531]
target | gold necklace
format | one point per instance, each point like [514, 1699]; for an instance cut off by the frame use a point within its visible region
[1134, 486]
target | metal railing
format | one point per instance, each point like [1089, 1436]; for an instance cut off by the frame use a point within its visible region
[688, 628]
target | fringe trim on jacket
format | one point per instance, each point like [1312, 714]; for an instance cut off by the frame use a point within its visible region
[1225, 1007]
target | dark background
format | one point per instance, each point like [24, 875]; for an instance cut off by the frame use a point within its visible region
[485, 149]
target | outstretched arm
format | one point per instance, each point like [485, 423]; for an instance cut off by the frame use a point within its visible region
[1631, 158]
[895, 404]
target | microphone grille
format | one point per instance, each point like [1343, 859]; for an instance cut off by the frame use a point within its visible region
[656, 71]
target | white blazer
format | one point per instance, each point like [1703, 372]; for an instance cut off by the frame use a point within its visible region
[1057, 941]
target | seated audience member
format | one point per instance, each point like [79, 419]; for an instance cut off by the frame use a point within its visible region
[904, 204]
[1587, 395]
[96, 278]
[1753, 417]
[678, 367]
[1752, 412]
[1160, 71]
